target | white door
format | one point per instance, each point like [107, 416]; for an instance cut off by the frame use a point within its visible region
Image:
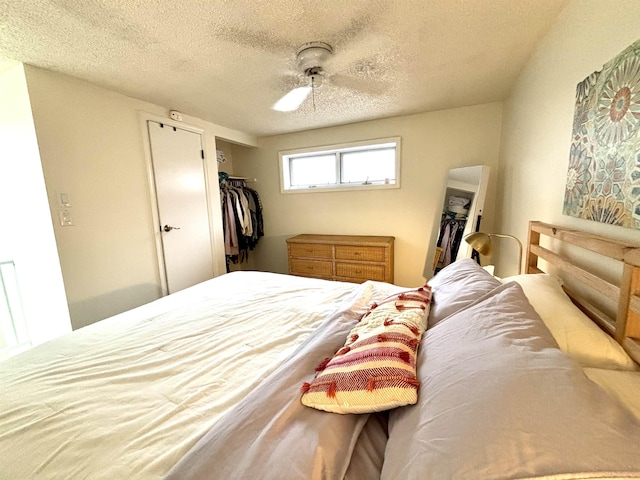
[179, 177]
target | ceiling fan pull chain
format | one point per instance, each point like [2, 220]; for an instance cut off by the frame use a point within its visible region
[313, 94]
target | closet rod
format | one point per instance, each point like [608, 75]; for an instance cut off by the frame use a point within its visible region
[248, 180]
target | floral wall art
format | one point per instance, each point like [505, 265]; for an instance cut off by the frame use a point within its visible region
[603, 179]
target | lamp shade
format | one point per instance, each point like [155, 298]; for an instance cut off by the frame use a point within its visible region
[480, 242]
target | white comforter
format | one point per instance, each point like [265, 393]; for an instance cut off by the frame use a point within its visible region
[129, 396]
[498, 401]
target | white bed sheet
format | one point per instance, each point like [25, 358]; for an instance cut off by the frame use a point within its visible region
[128, 396]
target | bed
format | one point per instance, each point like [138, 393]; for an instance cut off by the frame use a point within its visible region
[522, 377]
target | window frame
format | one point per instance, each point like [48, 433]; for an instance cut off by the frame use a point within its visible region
[337, 149]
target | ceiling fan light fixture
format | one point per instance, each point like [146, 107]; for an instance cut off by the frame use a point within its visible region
[292, 100]
[313, 54]
[314, 75]
[310, 56]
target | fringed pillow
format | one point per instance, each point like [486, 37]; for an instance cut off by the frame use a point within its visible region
[375, 370]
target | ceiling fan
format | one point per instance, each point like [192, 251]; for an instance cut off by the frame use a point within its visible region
[311, 58]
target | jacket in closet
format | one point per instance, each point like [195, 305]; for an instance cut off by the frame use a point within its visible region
[242, 219]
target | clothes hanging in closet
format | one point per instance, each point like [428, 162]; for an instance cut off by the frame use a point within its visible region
[449, 239]
[241, 218]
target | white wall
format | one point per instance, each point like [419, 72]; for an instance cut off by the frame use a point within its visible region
[27, 235]
[432, 143]
[91, 143]
[538, 116]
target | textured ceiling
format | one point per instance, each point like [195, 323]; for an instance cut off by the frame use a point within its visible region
[228, 61]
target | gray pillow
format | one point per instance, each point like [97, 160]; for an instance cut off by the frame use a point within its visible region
[498, 399]
[456, 286]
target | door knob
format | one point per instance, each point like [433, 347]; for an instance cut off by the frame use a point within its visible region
[168, 228]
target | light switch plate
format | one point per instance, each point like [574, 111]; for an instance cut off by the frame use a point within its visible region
[65, 217]
[64, 200]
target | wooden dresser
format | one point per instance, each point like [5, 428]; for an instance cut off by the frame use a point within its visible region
[348, 258]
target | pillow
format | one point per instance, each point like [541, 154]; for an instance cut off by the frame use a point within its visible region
[375, 370]
[576, 334]
[625, 386]
[500, 400]
[456, 286]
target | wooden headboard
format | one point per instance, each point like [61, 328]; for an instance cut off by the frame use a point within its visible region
[625, 325]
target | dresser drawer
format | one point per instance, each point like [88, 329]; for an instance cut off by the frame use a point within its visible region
[311, 267]
[347, 258]
[311, 250]
[366, 254]
[359, 272]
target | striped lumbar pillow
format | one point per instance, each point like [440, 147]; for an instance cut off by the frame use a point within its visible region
[376, 368]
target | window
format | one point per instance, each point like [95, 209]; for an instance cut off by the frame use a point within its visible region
[362, 165]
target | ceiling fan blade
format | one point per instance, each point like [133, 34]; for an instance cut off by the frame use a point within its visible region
[360, 85]
[292, 100]
[366, 47]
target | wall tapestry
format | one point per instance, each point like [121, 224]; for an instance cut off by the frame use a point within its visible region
[603, 180]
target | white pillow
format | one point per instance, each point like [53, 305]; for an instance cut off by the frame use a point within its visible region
[625, 386]
[576, 334]
[456, 286]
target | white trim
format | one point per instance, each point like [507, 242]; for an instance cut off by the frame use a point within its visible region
[477, 204]
[283, 165]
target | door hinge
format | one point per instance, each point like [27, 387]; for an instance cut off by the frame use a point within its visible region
[202, 153]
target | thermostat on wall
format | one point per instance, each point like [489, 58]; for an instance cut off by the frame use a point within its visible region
[175, 115]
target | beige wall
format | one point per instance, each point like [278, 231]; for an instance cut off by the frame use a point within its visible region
[91, 144]
[538, 115]
[227, 148]
[431, 144]
[27, 236]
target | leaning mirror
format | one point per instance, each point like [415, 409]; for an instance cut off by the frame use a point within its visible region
[461, 213]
